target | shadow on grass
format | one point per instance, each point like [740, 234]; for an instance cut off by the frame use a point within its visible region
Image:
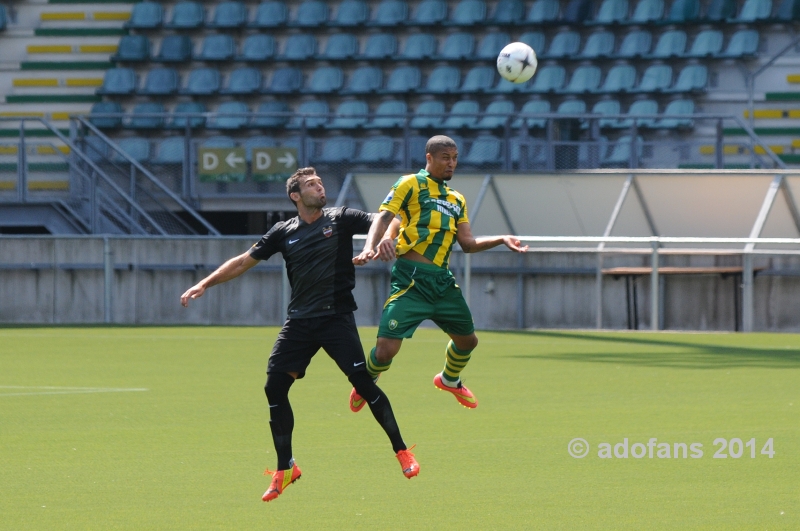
[694, 354]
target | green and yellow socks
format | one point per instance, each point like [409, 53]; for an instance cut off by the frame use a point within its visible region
[455, 361]
[374, 368]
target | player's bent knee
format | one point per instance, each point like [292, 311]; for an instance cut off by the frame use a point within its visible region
[277, 386]
[364, 385]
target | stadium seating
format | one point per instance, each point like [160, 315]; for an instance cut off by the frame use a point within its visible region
[285, 80]
[508, 12]
[229, 15]
[584, 79]
[635, 44]
[429, 13]
[146, 16]
[270, 14]
[468, 13]
[310, 114]
[428, 114]
[389, 114]
[605, 108]
[753, 11]
[610, 12]
[258, 47]
[619, 154]
[598, 45]
[743, 43]
[576, 12]
[132, 48]
[182, 118]
[186, 15]
[484, 152]
[693, 78]
[479, 79]
[376, 150]
[325, 80]
[646, 12]
[719, 11]
[496, 115]
[443, 79]
[217, 47]
[299, 47]
[118, 81]
[139, 120]
[491, 44]
[390, 13]
[656, 78]
[274, 114]
[620, 78]
[542, 11]
[203, 82]
[682, 11]
[351, 13]
[136, 148]
[671, 43]
[528, 111]
[457, 46]
[174, 49]
[235, 120]
[564, 44]
[245, 80]
[337, 149]
[349, 115]
[311, 13]
[707, 43]
[640, 108]
[419, 46]
[403, 79]
[105, 107]
[380, 46]
[340, 46]
[364, 80]
[161, 81]
[534, 39]
[683, 108]
[462, 114]
[549, 78]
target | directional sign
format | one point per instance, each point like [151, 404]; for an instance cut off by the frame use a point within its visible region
[273, 164]
[221, 164]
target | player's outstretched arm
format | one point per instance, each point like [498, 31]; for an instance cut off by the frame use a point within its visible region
[376, 232]
[227, 271]
[386, 248]
[470, 244]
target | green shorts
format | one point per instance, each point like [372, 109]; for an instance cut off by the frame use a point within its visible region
[424, 291]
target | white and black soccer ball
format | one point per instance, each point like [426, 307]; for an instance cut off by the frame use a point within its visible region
[517, 62]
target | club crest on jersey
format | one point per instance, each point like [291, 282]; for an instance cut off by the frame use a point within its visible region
[327, 231]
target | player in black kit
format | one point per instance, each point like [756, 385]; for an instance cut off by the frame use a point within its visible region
[317, 246]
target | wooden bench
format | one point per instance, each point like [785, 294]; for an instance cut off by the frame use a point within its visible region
[630, 274]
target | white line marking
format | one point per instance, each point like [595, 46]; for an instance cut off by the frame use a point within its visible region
[48, 390]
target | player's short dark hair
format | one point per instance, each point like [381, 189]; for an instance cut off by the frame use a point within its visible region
[438, 143]
[293, 182]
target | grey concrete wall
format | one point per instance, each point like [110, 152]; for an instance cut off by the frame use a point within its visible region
[48, 280]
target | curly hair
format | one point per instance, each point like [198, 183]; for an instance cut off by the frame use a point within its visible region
[293, 182]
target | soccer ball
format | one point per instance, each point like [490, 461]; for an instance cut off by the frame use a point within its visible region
[517, 62]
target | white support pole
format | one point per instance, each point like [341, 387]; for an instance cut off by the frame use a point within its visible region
[598, 289]
[654, 291]
[747, 292]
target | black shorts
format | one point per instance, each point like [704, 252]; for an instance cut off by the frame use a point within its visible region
[300, 339]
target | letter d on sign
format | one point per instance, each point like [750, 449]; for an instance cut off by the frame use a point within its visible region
[621, 449]
[263, 160]
[210, 161]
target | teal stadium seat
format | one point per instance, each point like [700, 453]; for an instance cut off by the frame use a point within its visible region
[605, 108]
[788, 11]
[468, 13]
[619, 153]
[508, 12]
[217, 47]
[349, 115]
[682, 11]
[620, 78]
[707, 43]
[576, 12]
[428, 114]
[376, 150]
[365, 80]
[390, 13]
[257, 48]
[542, 12]
[443, 79]
[646, 12]
[429, 13]
[182, 115]
[145, 15]
[299, 47]
[3, 18]
[325, 80]
[490, 45]
[743, 43]
[549, 78]
[139, 119]
[656, 78]
[754, 11]
[495, 115]
[484, 152]
[95, 148]
[118, 81]
[274, 114]
[132, 48]
[693, 78]
[528, 112]
[719, 11]
[230, 14]
[610, 12]
[202, 82]
[311, 14]
[174, 49]
[162, 81]
[403, 79]
[599, 45]
[571, 107]
[106, 107]
[229, 115]
[340, 46]
[336, 150]
[677, 115]
[187, 15]
[635, 44]
[670, 44]
[463, 114]
[270, 14]
[479, 79]
[640, 108]
[389, 114]
[416, 150]
[285, 80]
[457, 46]
[564, 44]
[135, 148]
[584, 79]
[351, 13]
[534, 39]
[419, 46]
[312, 114]
[170, 150]
[380, 46]
[243, 81]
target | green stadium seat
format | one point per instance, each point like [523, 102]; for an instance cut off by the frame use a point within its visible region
[336, 150]
[270, 14]
[484, 152]
[719, 11]
[549, 78]
[351, 13]
[390, 114]
[258, 47]
[161, 81]
[682, 11]
[390, 13]
[693, 78]
[754, 11]
[180, 117]
[463, 114]
[403, 79]
[677, 115]
[640, 108]
[576, 12]
[349, 115]
[490, 45]
[534, 39]
[146, 15]
[605, 108]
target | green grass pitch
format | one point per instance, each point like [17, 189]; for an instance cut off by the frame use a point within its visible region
[166, 428]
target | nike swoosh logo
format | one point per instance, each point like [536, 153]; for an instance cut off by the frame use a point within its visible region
[273, 405]
[375, 400]
[294, 241]
[357, 364]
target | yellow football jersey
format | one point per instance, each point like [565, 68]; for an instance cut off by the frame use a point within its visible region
[430, 212]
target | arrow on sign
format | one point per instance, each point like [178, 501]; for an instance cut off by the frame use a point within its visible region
[233, 160]
[287, 159]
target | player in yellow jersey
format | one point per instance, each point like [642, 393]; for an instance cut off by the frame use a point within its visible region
[433, 217]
